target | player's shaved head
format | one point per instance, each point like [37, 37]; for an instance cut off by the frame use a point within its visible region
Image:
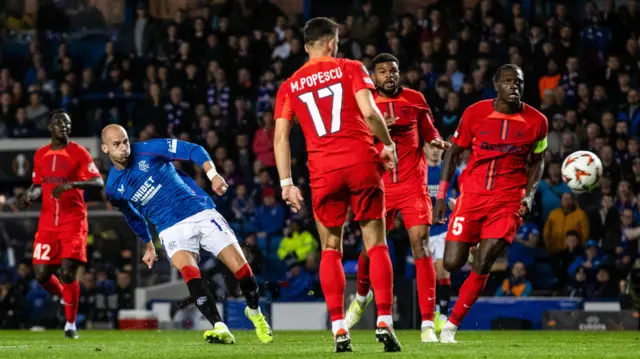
[115, 143]
[112, 131]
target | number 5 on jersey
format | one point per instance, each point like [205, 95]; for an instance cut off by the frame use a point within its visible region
[308, 98]
[457, 225]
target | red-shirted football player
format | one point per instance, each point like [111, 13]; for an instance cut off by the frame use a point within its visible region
[507, 139]
[332, 99]
[61, 172]
[411, 124]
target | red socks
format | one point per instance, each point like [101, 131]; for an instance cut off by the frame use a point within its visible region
[71, 296]
[189, 273]
[333, 283]
[469, 293]
[244, 272]
[53, 286]
[426, 283]
[381, 278]
[364, 283]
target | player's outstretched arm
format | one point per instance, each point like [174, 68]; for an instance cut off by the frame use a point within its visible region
[290, 193]
[139, 226]
[535, 169]
[172, 149]
[449, 165]
[378, 126]
[29, 195]
[95, 182]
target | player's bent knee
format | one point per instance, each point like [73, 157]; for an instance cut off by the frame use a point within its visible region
[67, 275]
[183, 258]
[43, 276]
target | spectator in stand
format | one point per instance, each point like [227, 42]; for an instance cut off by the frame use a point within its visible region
[252, 253]
[551, 189]
[524, 247]
[270, 216]
[516, 285]
[263, 142]
[297, 242]
[591, 261]
[561, 220]
[565, 258]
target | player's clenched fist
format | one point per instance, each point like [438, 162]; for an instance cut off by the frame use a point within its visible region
[292, 196]
[150, 256]
[219, 185]
[439, 211]
[389, 156]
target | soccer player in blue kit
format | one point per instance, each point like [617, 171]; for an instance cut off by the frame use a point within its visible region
[438, 233]
[144, 185]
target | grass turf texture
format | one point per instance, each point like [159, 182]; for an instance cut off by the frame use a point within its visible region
[190, 345]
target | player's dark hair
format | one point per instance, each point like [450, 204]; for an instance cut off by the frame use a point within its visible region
[384, 57]
[319, 28]
[513, 67]
[56, 115]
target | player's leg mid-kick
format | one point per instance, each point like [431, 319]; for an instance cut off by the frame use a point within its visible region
[215, 237]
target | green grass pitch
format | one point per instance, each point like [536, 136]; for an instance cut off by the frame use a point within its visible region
[190, 345]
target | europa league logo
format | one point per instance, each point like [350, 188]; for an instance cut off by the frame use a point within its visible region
[21, 165]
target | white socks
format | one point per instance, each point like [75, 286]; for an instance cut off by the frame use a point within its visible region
[387, 319]
[337, 325]
[70, 326]
[427, 324]
[253, 312]
[361, 299]
[450, 326]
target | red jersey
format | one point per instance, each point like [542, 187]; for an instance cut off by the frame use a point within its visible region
[413, 127]
[500, 145]
[322, 95]
[55, 167]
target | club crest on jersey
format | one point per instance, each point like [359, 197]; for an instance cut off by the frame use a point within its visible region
[93, 168]
[143, 166]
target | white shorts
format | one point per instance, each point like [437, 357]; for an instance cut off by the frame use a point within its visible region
[206, 229]
[436, 245]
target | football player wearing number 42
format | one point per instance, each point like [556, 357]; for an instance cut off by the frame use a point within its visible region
[144, 185]
[507, 139]
[410, 123]
[332, 98]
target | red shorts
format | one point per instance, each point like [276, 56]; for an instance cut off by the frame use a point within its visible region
[358, 186]
[480, 216]
[50, 247]
[415, 208]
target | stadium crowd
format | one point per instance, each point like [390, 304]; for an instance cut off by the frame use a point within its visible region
[210, 74]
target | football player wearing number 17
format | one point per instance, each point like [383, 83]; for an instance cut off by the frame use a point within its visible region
[144, 185]
[507, 139]
[332, 98]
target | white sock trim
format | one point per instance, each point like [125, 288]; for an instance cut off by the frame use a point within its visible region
[337, 325]
[254, 311]
[387, 319]
[427, 324]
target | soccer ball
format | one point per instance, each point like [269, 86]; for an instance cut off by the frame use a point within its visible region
[581, 171]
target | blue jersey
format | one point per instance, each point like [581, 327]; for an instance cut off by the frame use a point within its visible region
[152, 189]
[433, 182]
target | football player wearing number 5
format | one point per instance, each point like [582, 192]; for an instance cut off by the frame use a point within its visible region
[411, 124]
[62, 170]
[333, 101]
[507, 139]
